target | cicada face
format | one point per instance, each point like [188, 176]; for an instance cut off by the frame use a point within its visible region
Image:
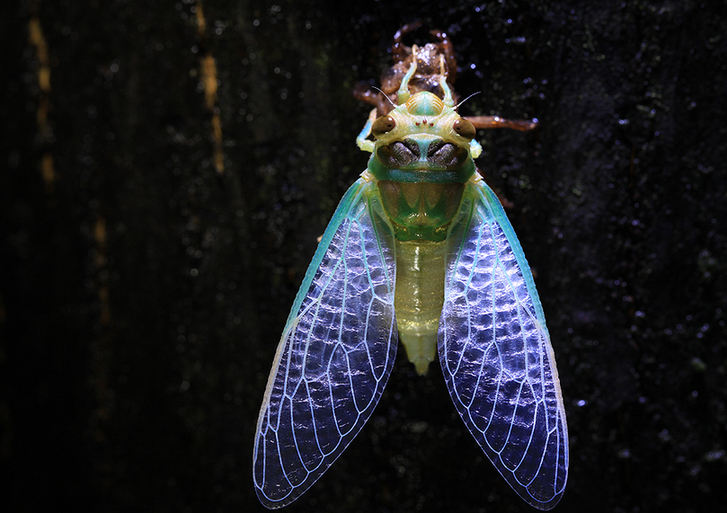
[423, 134]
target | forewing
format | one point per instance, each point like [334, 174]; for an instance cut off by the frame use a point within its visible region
[496, 355]
[335, 354]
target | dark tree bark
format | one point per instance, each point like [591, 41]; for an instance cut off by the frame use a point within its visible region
[166, 171]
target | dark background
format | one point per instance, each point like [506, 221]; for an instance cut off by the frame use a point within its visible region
[142, 292]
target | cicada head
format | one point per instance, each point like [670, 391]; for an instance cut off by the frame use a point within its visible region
[424, 131]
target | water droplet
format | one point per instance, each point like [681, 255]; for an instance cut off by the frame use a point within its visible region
[698, 364]
[714, 455]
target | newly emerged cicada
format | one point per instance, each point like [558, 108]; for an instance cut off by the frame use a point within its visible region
[418, 250]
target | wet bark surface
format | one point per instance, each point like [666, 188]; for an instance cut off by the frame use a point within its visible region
[166, 171]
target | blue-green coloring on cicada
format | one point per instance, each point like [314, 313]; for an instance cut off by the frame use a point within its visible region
[420, 250]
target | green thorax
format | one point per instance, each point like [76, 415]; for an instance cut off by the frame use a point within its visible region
[420, 211]
[420, 202]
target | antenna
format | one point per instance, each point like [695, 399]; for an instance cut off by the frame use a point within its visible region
[470, 96]
[385, 96]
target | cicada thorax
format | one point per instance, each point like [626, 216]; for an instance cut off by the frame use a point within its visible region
[420, 211]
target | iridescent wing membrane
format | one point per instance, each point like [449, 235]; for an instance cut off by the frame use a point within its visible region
[496, 355]
[335, 354]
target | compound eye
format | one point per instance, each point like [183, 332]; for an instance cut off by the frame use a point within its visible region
[464, 128]
[383, 125]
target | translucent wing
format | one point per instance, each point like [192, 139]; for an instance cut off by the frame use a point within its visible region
[496, 355]
[335, 354]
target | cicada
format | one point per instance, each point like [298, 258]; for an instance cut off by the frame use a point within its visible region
[418, 250]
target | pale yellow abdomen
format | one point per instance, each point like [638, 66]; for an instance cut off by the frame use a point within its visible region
[419, 298]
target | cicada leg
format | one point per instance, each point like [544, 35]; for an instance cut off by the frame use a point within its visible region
[485, 122]
[362, 140]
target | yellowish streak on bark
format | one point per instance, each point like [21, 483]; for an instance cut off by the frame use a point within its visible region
[208, 69]
[37, 39]
[99, 237]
